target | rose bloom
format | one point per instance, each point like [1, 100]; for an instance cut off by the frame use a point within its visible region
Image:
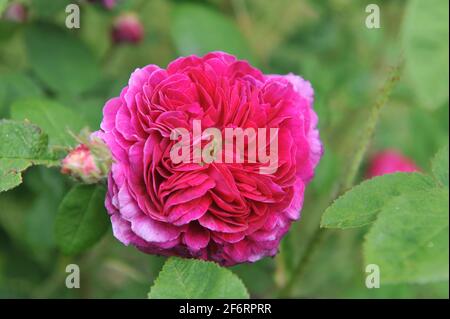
[390, 161]
[224, 212]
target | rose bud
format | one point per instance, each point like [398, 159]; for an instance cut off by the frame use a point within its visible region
[16, 12]
[108, 4]
[127, 28]
[89, 162]
[227, 212]
[388, 162]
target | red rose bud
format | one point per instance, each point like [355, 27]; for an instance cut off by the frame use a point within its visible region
[390, 161]
[16, 12]
[108, 4]
[89, 162]
[127, 28]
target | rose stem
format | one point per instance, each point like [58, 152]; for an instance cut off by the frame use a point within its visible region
[319, 234]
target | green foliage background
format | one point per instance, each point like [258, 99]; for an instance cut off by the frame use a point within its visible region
[59, 79]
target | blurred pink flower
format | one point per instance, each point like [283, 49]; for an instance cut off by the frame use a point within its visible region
[225, 212]
[108, 4]
[390, 161]
[127, 28]
[16, 12]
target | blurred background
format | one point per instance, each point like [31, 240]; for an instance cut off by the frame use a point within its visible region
[326, 42]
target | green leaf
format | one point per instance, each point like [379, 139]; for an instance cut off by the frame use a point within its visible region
[254, 276]
[409, 239]
[61, 60]
[15, 86]
[82, 219]
[8, 29]
[196, 279]
[3, 5]
[92, 111]
[22, 145]
[425, 40]
[38, 227]
[95, 31]
[439, 166]
[48, 8]
[402, 124]
[199, 30]
[56, 120]
[360, 205]
[48, 188]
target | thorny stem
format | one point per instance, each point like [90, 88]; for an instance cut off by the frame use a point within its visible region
[371, 124]
[314, 242]
[319, 234]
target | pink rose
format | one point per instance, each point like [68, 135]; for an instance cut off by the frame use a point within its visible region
[388, 162]
[226, 212]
